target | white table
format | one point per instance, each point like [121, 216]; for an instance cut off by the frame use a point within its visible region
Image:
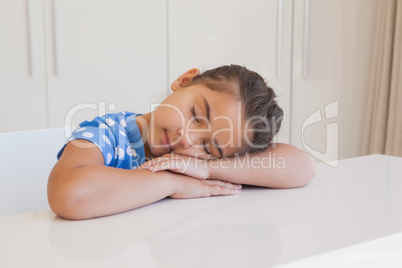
[343, 216]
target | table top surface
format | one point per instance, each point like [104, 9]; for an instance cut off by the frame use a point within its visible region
[357, 202]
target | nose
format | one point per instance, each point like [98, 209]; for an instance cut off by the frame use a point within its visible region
[184, 139]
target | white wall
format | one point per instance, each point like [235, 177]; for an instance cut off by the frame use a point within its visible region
[55, 55]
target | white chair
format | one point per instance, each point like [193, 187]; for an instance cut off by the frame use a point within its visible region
[26, 159]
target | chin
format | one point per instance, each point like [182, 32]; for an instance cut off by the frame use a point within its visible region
[156, 152]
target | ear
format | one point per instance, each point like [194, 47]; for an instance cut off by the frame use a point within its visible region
[184, 79]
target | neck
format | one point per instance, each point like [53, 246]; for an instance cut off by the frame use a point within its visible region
[143, 123]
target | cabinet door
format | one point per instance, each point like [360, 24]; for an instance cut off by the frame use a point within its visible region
[331, 69]
[104, 56]
[255, 34]
[22, 68]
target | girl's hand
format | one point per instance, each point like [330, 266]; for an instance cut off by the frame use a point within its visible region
[187, 187]
[194, 167]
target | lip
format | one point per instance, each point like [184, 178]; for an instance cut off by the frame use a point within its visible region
[166, 142]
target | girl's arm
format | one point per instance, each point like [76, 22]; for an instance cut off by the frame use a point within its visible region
[81, 187]
[279, 166]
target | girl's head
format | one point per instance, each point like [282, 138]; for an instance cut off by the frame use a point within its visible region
[228, 109]
[258, 100]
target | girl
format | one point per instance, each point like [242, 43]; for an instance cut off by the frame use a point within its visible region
[212, 134]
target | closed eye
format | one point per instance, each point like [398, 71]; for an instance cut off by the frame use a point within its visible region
[196, 119]
[194, 115]
[205, 148]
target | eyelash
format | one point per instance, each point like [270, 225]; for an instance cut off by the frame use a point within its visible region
[205, 147]
[193, 112]
[196, 119]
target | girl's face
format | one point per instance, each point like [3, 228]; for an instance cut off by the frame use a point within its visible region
[199, 122]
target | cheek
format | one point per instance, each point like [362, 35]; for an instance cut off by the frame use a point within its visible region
[170, 117]
[158, 122]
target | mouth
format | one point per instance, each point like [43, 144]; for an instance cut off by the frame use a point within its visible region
[166, 142]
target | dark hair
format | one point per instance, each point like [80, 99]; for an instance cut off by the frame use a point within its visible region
[258, 100]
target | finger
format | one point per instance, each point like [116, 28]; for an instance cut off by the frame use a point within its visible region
[222, 190]
[222, 183]
[159, 167]
[162, 165]
[147, 164]
[154, 162]
[168, 165]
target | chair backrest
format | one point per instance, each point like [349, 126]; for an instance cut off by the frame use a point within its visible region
[26, 159]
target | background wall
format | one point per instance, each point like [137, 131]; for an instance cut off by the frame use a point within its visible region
[65, 61]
